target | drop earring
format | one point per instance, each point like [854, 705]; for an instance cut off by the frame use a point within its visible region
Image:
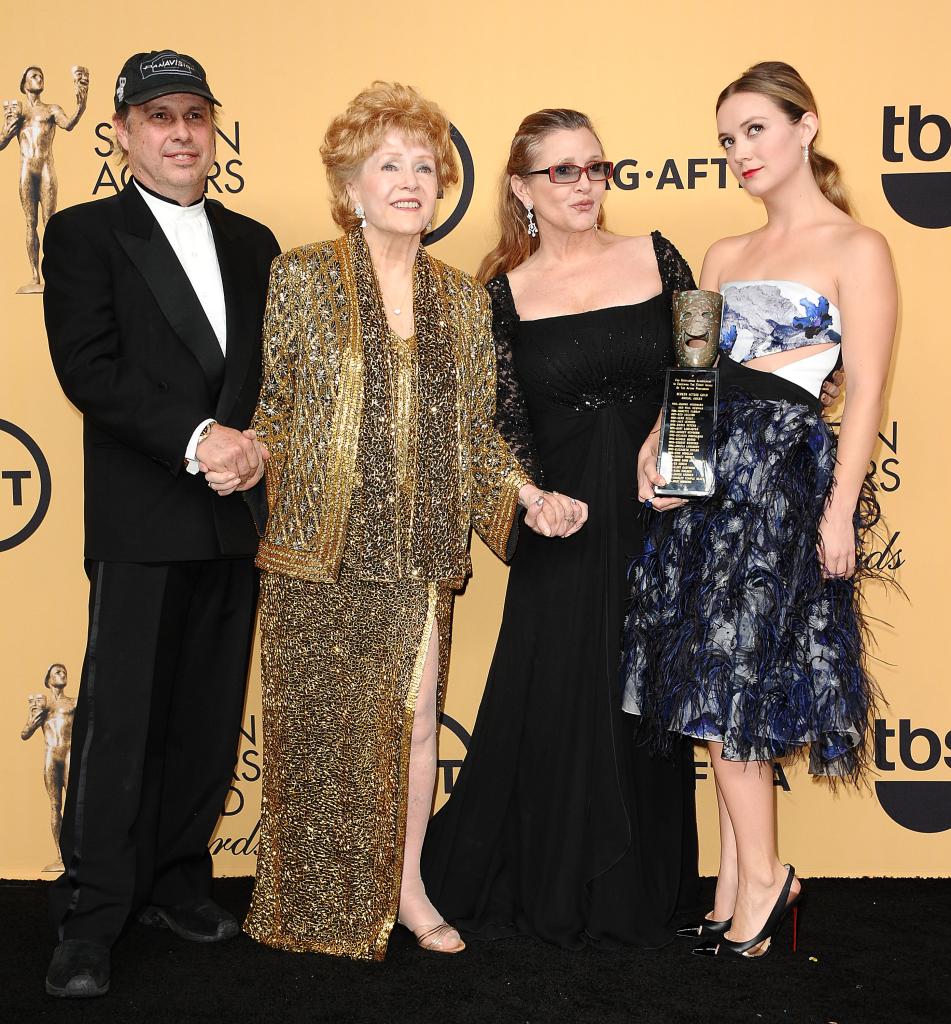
[805, 154]
[532, 226]
[358, 211]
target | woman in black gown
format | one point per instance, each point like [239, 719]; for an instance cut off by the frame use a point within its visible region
[561, 824]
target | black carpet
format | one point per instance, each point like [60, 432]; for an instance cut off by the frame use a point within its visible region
[871, 950]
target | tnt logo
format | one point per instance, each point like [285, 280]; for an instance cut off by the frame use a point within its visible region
[25, 485]
[922, 198]
[920, 805]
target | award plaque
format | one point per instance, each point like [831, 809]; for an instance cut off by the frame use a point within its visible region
[686, 457]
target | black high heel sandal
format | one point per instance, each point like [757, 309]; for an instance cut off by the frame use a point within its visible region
[706, 929]
[767, 933]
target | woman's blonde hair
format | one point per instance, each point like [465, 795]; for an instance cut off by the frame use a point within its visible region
[356, 133]
[784, 86]
[515, 244]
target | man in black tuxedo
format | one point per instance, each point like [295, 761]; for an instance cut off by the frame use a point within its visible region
[154, 303]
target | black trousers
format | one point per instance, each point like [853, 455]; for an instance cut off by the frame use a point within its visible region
[154, 738]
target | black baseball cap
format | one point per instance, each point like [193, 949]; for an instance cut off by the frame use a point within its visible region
[146, 76]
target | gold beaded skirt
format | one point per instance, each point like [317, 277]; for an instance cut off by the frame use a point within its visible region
[341, 667]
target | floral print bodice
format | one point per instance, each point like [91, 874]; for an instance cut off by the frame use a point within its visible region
[763, 317]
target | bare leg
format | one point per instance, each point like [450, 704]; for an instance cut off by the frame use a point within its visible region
[724, 902]
[747, 791]
[55, 780]
[416, 911]
[30, 201]
[48, 191]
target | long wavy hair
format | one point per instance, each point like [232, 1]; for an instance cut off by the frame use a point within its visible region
[515, 244]
[784, 86]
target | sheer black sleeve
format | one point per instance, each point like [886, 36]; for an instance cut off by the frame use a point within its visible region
[674, 270]
[511, 412]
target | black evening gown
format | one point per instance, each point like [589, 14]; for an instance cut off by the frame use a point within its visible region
[562, 824]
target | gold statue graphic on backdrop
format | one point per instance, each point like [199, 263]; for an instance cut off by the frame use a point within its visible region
[54, 715]
[33, 124]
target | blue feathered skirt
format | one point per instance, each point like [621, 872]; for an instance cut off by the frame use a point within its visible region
[733, 633]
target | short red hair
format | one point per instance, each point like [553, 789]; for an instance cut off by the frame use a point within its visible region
[356, 133]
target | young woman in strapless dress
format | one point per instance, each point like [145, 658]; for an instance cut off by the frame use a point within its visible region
[745, 627]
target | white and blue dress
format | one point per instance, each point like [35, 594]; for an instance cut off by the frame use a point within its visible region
[733, 633]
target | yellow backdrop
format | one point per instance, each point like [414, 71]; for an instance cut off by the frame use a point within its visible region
[648, 75]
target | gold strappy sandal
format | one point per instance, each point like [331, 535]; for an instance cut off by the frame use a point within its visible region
[432, 939]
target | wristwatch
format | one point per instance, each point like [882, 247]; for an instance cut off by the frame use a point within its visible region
[206, 430]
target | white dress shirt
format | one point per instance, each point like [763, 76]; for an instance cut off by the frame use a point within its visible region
[189, 234]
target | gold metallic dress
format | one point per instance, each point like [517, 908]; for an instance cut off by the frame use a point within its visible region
[344, 643]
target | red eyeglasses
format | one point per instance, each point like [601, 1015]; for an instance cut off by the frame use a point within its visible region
[566, 174]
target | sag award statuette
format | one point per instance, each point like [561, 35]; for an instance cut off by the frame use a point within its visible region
[686, 457]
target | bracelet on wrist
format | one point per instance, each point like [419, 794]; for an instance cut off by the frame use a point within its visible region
[538, 501]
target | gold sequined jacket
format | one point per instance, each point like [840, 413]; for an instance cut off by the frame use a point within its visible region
[323, 331]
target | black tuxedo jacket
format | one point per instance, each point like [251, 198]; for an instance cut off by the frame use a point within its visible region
[136, 355]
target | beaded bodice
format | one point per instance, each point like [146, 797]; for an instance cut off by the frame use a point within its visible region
[580, 363]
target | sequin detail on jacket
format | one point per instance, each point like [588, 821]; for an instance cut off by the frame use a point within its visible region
[323, 310]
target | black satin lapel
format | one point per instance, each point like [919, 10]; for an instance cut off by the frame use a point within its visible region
[169, 283]
[237, 286]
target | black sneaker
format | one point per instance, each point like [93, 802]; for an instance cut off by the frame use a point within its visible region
[197, 921]
[79, 970]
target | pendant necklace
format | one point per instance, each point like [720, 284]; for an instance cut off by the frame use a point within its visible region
[397, 310]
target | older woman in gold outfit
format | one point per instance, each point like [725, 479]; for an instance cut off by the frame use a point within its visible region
[377, 405]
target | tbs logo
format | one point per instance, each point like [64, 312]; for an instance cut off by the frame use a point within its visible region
[921, 805]
[923, 198]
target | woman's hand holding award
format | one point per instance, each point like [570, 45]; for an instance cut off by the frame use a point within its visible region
[686, 456]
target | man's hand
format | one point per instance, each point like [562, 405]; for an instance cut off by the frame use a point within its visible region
[225, 448]
[227, 481]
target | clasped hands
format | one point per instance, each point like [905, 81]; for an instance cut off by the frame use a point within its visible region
[550, 513]
[232, 460]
